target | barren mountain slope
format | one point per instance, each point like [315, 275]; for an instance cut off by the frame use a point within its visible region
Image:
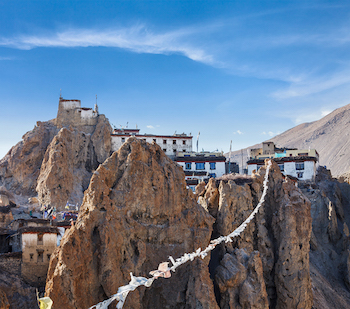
[329, 136]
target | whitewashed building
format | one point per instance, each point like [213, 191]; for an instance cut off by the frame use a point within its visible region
[200, 166]
[299, 163]
[171, 144]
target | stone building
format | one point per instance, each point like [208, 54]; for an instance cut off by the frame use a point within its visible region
[71, 113]
[200, 166]
[37, 244]
[299, 163]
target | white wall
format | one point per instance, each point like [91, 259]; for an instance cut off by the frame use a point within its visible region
[219, 168]
[31, 240]
[251, 168]
[308, 173]
[168, 148]
[87, 114]
[70, 104]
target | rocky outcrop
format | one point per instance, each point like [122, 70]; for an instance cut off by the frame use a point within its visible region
[136, 212]
[68, 164]
[329, 255]
[56, 162]
[15, 293]
[268, 265]
[240, 280]
[4, 303]
[20, 168]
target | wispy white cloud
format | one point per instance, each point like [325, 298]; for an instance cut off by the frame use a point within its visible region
[6, 58]
[150, 127]
[311, 85]
[239, 132]
[136, 39]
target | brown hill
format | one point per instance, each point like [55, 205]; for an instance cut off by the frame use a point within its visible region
[329, 136]
[56, 159]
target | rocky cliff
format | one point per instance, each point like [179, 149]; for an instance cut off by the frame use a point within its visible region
[329, 255]
[268, 265]
[69, 161]
[136, 212]
[56, 163]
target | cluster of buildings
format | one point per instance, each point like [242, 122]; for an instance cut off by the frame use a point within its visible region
[298, 163]
[26, 245]
[199, 166]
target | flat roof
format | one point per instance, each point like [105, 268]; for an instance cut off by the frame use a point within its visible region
[284, 159]
[151, 135]
[200, 159]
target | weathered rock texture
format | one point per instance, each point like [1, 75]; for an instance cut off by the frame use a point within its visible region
[15, 293]
[268, 265]
[329, 255]
[68, 164]
[136, 212]
[20, 168]
[56, 162]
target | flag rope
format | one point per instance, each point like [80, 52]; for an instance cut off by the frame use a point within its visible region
[163, 270]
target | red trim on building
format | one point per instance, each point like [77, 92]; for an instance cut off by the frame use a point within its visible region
[153, 136]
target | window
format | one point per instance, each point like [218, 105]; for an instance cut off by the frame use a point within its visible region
[31, 256]
[174, 150]
[281, 166]
[154, 140]
[212, 175]
[164, 150]
[164, 141]
[200, 166]
[123, 139]
[184, 150]
[299, 166]
[186, 155]
[188, 165]
[300, 174]
[48, 257]
[183, 142]
[40, 256]
[212, 165]
[40, 239]
[174, 141]
[144, 139]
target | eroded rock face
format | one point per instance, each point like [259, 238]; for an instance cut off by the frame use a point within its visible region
[56, 162]
[136, 212]
[15, 293]
[240, 281]
[271, 257]
[329, 255]
[68, 164]
[20, 168]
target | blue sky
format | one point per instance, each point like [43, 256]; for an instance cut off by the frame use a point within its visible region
[233, 70]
